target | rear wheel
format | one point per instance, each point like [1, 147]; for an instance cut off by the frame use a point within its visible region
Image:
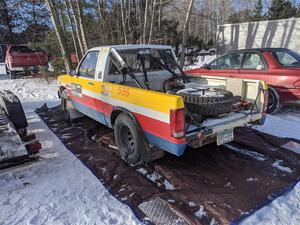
[274, 104]
[129, 139]
[131, 142]
[12, 74]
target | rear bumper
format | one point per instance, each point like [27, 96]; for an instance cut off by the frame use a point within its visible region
[208, 134]
[24, 68]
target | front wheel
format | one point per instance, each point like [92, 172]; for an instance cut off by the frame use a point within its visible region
[274, 104]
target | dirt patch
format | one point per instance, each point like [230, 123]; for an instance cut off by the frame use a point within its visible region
[217, 184]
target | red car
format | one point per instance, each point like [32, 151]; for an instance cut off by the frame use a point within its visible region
[279, 67]
[21, 59]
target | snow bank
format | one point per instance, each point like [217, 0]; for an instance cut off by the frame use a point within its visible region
[285, 124]
[32, 92]
[58, 188]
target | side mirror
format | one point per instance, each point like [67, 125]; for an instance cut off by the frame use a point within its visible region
[73, 73]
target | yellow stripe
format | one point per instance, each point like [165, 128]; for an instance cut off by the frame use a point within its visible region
[145, 98]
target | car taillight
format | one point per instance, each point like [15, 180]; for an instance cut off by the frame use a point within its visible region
[297, 84]
[177, 123]
[10, 59]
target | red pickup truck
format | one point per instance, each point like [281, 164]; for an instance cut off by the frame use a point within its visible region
[20, 59]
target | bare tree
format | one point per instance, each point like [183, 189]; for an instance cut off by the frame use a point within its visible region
[152, 21]
[74, 37]
[184, 32]
[77, 27]
[59, 34]
[145, 21]
[123, 22]
[80, 15]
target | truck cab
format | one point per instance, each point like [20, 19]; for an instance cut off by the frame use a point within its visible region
[142, 93]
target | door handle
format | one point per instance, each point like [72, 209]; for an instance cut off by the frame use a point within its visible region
[91, 83]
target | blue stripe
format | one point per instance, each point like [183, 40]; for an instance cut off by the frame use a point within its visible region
[176, 149]
[173, 148]
[98, 116]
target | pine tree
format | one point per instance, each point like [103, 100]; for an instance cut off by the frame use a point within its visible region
[258, 11]
[281, 9]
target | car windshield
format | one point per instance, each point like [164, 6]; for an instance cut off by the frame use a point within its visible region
[286, 57]
[20, 49]
[135, 59]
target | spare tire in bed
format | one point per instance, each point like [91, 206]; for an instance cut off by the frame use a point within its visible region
[207, 101]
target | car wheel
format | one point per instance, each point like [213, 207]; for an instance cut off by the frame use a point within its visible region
[212, 52]
[274, 104]
[129, 139]
[12, 74]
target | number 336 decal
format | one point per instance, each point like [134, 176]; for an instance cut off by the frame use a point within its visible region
[123, 91]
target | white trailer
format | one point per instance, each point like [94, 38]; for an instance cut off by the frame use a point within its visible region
[283, 33]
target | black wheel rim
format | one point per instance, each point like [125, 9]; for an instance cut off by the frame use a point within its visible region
[127, 139]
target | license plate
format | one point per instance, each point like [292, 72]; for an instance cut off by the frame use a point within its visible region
[225, 137]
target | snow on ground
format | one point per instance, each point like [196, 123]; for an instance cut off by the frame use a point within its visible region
[284, 124]
[2, 69]
[58, 188]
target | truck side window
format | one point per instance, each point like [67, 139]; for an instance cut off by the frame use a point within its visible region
[253, 61]
[87, 67]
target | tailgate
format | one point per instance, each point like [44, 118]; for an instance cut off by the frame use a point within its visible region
[209, 130]
[28, 59]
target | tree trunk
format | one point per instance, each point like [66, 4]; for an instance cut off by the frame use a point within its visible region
[145, 21]
[75, 40]
[184, 33]
[159, 16]
[58, 32]
[77, 28]
[152, 21]
[84, 42]
[123, 22]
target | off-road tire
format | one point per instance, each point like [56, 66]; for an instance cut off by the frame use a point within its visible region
[206, 105]
[274, 104]
[14, 109]
[130, 140]
[12, 74]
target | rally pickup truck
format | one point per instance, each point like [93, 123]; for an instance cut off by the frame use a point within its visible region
[20, 59]
[153, 106]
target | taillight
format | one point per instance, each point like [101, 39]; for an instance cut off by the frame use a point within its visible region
[177, 123]
[297, 84]
[10, 59]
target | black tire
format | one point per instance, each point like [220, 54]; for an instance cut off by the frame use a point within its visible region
[64, 109]
[209, 105]
[14, 109]
[12, 74]
[274, 104]
[130, 140]
[212, 52]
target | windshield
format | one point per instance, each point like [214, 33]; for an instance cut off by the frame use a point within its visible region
[286, 57]
[20, 49]
[140, 62]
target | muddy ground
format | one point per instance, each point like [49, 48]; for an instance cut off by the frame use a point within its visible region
[221, 184]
